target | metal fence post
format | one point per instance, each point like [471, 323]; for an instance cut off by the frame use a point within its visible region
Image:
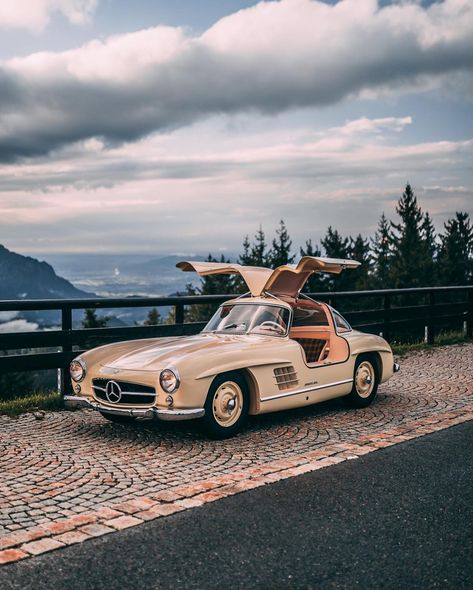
[469, 315]
[387, 317]
[66, 326]
[431, 320]
[179, 309]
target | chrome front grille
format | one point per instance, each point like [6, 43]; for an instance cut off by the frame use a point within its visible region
[122, 392]
[286, 377]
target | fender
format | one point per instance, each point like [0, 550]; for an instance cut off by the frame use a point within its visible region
[242, 366]
[360, 342]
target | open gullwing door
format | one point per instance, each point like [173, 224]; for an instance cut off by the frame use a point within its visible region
[284, 280]
[290, 278]
[254, 276]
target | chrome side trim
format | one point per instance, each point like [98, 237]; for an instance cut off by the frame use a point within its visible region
[73, 401]
[305, 390]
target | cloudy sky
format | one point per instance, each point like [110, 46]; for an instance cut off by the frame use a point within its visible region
[162, 126]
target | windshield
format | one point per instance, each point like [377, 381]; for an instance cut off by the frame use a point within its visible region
[270, 320]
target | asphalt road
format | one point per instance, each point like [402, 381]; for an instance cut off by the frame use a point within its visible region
[397, 518]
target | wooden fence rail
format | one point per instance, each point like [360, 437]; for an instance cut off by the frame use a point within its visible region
[401, 312]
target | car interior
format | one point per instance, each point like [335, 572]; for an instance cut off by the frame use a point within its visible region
[313, 329]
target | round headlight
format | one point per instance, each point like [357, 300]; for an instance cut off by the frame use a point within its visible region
[77, 370]
[169, 380]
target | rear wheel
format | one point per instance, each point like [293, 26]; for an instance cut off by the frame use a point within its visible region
[117, 418]
[365, 382]
[226, 406]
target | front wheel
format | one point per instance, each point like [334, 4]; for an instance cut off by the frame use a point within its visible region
[226, 406]
[365, 383]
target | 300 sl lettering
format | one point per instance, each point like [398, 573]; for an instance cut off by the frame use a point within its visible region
[269, 350]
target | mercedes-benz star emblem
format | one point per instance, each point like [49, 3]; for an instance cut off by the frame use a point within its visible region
[113, 392]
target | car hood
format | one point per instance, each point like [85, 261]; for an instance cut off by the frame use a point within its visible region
[157, 354]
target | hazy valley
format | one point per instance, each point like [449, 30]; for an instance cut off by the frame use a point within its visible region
[57, 276]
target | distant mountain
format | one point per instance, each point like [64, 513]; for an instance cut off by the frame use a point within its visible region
[23, 277]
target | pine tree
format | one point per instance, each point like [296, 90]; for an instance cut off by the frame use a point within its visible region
[336, 246]
[245, 257]
[430, 250]
[255, 254]
[220, 284]
[92, 321]
[316, 282]
[381, 257]
[154, 318]
[455, 258]
[359, 250]
[280, 252]
[258, 252]
[411, 262]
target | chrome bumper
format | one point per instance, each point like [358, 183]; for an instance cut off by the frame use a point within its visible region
[73, 402]
[396, 367]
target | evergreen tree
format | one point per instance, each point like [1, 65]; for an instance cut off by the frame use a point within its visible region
[430, 249]
[382, 255]
[455, 258]
[360, 250]
[258, 252]
[154, 318]
[336, 246]
[411, 262]
[220, 284]
[92, 321]
[316, 282]
[255, 254]
[245, 257]
[280, 252]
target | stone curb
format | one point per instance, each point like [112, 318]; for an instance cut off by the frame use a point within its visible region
[77, 529]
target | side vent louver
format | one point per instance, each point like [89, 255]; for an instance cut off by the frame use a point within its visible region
[286, 377]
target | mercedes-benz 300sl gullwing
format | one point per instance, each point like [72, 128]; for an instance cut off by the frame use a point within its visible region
[271, 349]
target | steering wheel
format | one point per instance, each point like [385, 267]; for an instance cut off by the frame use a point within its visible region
[270, 324]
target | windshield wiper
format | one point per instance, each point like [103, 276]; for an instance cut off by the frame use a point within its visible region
[230, 326]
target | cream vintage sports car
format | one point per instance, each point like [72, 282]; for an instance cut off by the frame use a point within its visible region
[271, 349]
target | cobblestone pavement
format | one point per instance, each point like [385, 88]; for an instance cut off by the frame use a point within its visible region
[73, 475]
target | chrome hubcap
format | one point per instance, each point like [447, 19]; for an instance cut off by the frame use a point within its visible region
[364, 379]
[227, 403]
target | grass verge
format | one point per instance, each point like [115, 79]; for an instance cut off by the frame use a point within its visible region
[31, 403]
[442, 339]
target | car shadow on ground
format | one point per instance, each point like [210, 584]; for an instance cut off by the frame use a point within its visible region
[264, 424]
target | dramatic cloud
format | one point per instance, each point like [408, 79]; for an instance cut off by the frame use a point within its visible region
[269, 58]
[171, 186]
[35, 14]
[361, 148]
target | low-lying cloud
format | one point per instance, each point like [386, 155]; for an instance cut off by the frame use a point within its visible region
[268, 58]
[170, 189]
